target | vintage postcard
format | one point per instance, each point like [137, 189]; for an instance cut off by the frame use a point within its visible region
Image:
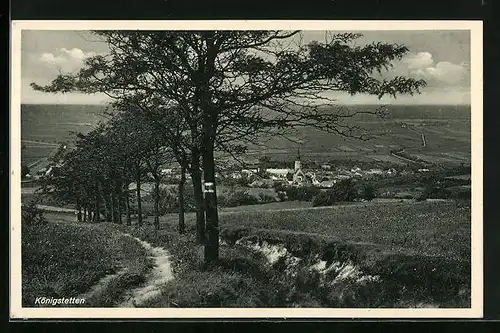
[246, 169]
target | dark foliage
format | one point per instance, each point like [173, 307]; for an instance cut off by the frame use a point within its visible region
[25, 170]
[31, 215]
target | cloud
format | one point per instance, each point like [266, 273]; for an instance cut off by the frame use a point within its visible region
[67, 60]
[421, 65]
[418, 60]
[444, 71]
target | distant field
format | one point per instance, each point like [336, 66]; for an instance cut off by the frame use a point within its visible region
[32, 153]
[268, 206]
[446, 129]
[56, 123]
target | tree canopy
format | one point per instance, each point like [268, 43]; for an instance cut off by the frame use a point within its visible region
[227, 87]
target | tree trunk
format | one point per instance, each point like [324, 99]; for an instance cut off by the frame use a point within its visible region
[85, 213]
[120, 200]
[138, 191]
[106, 204]
[212, 218]
[182, 225]
[157, 203]
[112, 205]
[79, 209]
[127, 205]
[198, 196]
[97, 213]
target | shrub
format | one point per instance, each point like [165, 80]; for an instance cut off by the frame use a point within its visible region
[169, 202]
[325, 198]
[368, 192]
[25, 170]
[31, 215]
[344, 190]
[434, 190]
[304, 193]
[282, 195]
[266, 198]
[240, 198]
[279, 186]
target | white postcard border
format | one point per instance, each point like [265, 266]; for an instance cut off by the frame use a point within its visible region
[476, 310]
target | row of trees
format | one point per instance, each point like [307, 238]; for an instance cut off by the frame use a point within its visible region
[211, 90]
[97, 173]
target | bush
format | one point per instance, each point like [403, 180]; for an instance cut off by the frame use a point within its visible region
[31, 215]
[239, 198]
[266, 198]
[25, 170]
[434, 190]
[344, 190]
[325, 198]
[461, 195]
[282, 196]
[169, 200]
[304, 193]
[368, 192]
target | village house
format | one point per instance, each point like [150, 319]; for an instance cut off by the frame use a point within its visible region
[277, 174]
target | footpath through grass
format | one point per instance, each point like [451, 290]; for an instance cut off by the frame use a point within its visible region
[395, 255]
[65, 259]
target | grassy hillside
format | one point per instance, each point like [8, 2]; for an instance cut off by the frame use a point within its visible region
[427, 228]
[421, 251]
[64, 259]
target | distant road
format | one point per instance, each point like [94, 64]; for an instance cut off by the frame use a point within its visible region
[56, 209]
[41, 143]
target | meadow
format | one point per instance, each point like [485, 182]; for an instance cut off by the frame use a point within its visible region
[439, 228]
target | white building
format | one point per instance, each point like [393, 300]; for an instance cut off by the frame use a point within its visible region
[374, 172]
[278, 173]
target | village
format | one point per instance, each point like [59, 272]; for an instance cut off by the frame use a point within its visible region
[323, 176]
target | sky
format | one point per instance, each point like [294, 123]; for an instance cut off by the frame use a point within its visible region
[441, 58]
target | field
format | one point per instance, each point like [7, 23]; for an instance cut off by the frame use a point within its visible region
[446, 130]
[426, 228]
[56, 123]
[44, 127]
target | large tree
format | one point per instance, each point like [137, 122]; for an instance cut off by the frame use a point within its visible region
[232, 85]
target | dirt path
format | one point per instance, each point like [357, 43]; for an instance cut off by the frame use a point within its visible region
[161, 274]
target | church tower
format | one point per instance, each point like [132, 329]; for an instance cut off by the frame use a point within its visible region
[298, 165]
[298, 176]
